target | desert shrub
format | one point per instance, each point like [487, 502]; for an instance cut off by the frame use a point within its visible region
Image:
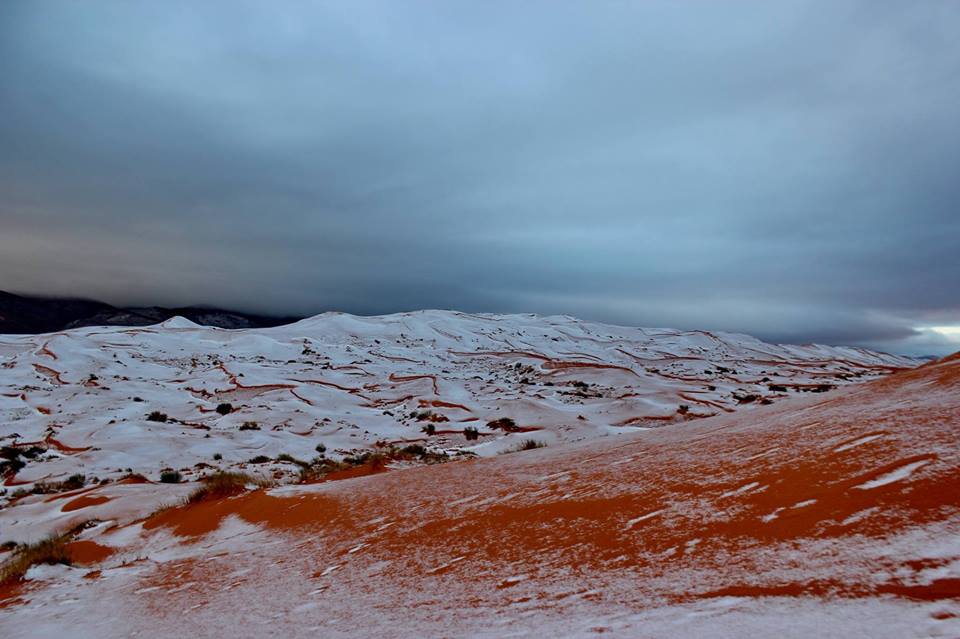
[428, 416]
[527, 444]
[284, 457]
[415, 450]
[157, 416]
[51, 550]
[429, 429]
[505, 424]
[170, 477]
[73, 482]
[259, 459]
[217, 457]
[249, 426]
[319, 467]
[471, 433]
[777, 388]
[224, 484]
[321, 449]
[224, 409]
[683, 409]
[10, 461]
[33, 452]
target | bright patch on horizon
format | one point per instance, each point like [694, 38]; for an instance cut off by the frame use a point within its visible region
[951, 332]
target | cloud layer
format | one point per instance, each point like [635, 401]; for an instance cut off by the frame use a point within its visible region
[786, 169]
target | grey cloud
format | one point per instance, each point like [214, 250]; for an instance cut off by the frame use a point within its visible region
[785, 169]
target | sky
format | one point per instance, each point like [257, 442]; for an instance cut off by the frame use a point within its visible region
[786, 169]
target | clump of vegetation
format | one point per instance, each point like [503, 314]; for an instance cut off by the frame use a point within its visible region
[51, 550]
[428, 416]
[321, 466]
[527, 444]
[249, 426]
[10, 461]
[73, 482]
[683, 409]
[429, 429]
[224, 484]
[471, 434]
[284, 457]
[170, 477]
[259, 459]
[157, 416]
[225, 409]
[217, 457]
[321, 449]
[505, 424]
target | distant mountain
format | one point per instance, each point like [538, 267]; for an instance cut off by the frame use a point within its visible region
[27, 315]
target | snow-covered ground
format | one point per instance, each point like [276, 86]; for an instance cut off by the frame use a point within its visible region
[350, 382]
[832, 514]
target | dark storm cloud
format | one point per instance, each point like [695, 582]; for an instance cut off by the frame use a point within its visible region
[786, 169]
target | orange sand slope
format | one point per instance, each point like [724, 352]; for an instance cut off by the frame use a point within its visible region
[838, 516]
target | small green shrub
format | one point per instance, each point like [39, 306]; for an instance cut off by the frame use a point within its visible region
[170, 477]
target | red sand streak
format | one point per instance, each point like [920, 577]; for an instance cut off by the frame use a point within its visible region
[51, 374]
[83, 502]
[45, 350]
[87, 552]
[63, 448]
[502, 354]
[441, 404]
[410, 378]
[554, 365]
[349, 389]
[394, 358]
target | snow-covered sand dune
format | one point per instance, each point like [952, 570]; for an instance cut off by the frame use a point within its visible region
[351, 383]
[836, 512]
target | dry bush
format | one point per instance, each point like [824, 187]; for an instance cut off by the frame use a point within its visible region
[224, 484]
[51, 550]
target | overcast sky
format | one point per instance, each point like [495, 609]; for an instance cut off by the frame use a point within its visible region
[786, 169]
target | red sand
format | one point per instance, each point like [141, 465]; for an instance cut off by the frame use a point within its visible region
[709, 497]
